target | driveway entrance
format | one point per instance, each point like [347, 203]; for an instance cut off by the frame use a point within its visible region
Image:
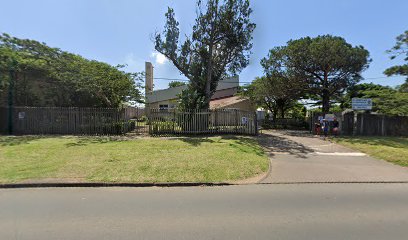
[297, 156]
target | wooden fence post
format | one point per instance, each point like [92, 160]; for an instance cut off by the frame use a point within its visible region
[355, 123]
[256, 123]
[383, 125]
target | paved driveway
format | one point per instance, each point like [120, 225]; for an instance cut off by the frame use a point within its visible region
[297, 156]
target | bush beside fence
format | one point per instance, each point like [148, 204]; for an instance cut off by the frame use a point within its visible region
[285, 123]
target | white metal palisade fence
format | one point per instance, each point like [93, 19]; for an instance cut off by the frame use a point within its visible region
[208, 121]
[114, 121]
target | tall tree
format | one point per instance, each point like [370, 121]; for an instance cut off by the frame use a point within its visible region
[400, 49]
[328, 64]
[219, 46]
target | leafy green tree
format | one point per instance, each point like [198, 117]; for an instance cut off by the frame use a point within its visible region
[219, 46]
[48, 76]
[275, 92]
[298, 111]
[173, 84]
[328, 64]
[400, 49]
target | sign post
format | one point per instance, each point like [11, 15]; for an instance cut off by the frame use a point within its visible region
[360, 104]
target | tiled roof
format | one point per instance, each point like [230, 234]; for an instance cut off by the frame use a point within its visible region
[225, 102]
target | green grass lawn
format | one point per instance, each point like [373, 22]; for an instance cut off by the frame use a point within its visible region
[105, 159]
[391, 149]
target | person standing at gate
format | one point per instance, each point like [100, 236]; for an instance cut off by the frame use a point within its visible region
[318, 128]
[325, 127]
[335, 130]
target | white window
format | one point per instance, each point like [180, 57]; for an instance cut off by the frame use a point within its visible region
[163, 106]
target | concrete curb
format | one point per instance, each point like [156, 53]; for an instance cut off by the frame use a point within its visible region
[98, 184]
[268, 173]
[335, 182]
[163, 185]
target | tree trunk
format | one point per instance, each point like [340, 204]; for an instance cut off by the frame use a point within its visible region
[275, 114]
[325, 95]
[325, 102]
[209, 77]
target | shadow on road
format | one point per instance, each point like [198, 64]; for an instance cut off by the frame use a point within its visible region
[276, 144]
[297, 133]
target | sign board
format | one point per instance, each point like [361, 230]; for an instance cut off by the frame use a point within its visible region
[361, 103]
[329, 117]
[244, 120]
[21, 115]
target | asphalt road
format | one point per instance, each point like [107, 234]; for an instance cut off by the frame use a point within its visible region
[280, 211]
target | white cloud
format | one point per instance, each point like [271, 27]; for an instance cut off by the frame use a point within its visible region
[159, 58]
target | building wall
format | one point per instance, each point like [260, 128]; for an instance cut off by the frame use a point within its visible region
[172, 103]
[225, 87]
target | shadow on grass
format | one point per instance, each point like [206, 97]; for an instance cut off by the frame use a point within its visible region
[84, 141]
[247, 145]
[296, 133]
[199, 139]
[194, 141]
[18, 140]
[240, 143]
[80, 140]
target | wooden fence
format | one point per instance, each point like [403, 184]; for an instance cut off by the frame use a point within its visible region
[375, 125]
[67, 120]
[217, 121]
[368, 124]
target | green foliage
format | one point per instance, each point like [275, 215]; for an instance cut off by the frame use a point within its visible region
[173, 84]
[219, 45]
[51, 77]
[297, 111]
[327, 64]
[403, 87]
[400, 49]
[386, 100]
[190, 99]
[277, 92]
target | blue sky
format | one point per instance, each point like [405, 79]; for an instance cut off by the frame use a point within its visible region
[119, 31]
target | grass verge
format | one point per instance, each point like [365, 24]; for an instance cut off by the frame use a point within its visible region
[109, 159]
[391, 149]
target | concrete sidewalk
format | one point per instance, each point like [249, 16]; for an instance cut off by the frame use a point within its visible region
[297, 156]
